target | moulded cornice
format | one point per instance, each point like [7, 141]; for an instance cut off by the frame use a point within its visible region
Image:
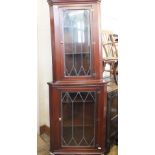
[51, 2]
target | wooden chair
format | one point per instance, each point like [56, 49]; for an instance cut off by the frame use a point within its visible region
[110, 57]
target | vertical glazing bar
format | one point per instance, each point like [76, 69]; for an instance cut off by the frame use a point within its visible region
[72, 119]
[81, 43]
[62, 120]
[63, 27]
[94, 116]
[72, 28]
[90, 40]
[83, 118]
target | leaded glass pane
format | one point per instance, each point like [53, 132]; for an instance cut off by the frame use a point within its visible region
[77, 39]
[78, 110]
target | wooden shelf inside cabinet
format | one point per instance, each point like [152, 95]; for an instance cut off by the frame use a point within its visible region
[76, 124]
[78, 53]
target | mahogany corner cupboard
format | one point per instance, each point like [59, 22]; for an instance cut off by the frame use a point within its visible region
[78, 93]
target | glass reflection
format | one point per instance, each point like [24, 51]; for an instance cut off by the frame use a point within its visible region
[77, 47]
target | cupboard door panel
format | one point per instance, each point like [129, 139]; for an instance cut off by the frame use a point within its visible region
[77, 41]
[78, 118]
[78, 111]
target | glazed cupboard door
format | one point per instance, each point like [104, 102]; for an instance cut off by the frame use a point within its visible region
[78, 46]
[76, 38]
[81, 119]
[78, 114]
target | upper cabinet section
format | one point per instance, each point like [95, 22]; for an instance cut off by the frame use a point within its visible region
[76, 46]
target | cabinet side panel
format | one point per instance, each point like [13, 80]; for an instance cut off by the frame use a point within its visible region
[52, 40]
[104, 115]
[54, 119]
[101, 118]
[97, 41]
[55, 42]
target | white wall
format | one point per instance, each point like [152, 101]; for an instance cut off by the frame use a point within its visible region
[109, 21]
[44, 62]
[109, 15]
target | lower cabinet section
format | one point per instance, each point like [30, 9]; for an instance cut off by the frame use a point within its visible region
[77, 119]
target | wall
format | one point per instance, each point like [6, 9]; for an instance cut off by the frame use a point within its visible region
[109, 21]
[109, 15]
[44, 62]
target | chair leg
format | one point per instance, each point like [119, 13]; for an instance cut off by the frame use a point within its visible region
[104, 64]
[116, 72]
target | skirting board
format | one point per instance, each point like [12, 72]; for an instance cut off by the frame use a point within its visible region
[44, 129]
